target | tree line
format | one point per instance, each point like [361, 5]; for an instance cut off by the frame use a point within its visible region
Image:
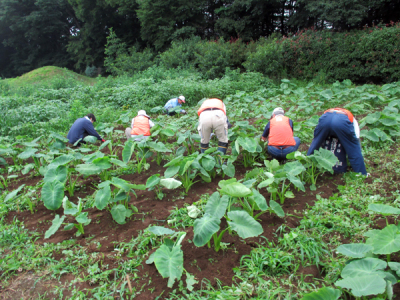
[73, 33]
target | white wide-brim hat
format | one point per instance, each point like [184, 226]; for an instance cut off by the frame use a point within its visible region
[142, 113]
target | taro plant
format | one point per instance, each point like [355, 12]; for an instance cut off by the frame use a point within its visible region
[163, 134]
[325, 293]
[187, 168]
[208, 225]
[99, 164]
[140, 149]
[117, 200]
[74, 210]
[281, 177]
[316, 164]
[251, 150]
[156, 183]
[248, 198]
[159, 148]
[188, 140]
[168, 258]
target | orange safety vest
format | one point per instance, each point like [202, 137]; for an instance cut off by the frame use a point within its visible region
[341, 111]
[280, 132]
[141, 126]
[212, 103]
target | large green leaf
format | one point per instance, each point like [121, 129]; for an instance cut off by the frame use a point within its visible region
[103, 197]
[102, 162]
[53, 194]
[82, 218]
[326, 293]
[14, 193]
[159, 147]
[102, 146]
[120, 213]
[372, 118]
[169, 262]
[248, 144]
[244, 224]
[204, 228]
[384, 209]
[118, 162]
[294, 168]
[387, 241]
[296, 182]
[326, 159]
[363, 267]
[91, 157]
[62, 160]
[90, 139]
[27, 153]
[171, 171]
[159, 230]
[326, 94]
[259, 200]
[275, 206]
[56, 224]
[121, 184]
[170, 183]
[354, 250]
[235, 189]
[88, 169]
[229, 169]
[129, 148]
[216, 206]
[167, 132]
[153, 181]
[208, 163]
[59, 137]
[59, 173]
[388, 121]
[364, 285]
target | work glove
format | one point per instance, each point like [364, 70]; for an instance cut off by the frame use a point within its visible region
[103, 140]
[183, 112]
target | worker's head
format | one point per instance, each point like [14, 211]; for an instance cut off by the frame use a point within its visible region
[142, 113]
[278, 111]
[91, 117]
[181, 99]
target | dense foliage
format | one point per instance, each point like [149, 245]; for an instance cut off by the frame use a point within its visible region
[73, 33]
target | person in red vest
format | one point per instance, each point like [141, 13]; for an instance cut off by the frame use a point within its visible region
[279, 132]
[339, 123]
[140, 127]
[212, 117]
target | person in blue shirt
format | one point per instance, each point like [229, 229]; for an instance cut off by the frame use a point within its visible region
[172, 103]
[81, 128]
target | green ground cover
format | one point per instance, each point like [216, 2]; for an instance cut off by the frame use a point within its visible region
[78, 190]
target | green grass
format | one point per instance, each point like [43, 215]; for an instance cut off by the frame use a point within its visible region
[47, 76]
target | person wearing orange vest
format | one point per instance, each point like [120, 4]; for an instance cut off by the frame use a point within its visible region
[212, 117]
[339, 123]
[279, 132]
[140, 127]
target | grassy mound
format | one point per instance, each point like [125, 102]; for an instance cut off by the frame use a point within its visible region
[49, 76]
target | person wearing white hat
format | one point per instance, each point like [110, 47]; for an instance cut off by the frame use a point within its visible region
[140, 128]
[279, 132]
[174, 102]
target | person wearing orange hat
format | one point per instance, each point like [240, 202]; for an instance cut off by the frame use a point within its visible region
[174, 102]
[140, 128]
[212, 117]
[279, 132]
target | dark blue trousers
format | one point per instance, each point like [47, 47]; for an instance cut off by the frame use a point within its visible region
[280, 152]
[339, 126]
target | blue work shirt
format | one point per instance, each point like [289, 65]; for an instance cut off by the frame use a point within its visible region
[172, 103]
[82, 127]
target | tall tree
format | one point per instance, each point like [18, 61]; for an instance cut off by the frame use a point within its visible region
[37, 31]
[247, 19]
[163, 21]
[95, 18]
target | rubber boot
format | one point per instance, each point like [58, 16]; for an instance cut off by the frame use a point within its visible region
[222, 147]
[203, 147]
